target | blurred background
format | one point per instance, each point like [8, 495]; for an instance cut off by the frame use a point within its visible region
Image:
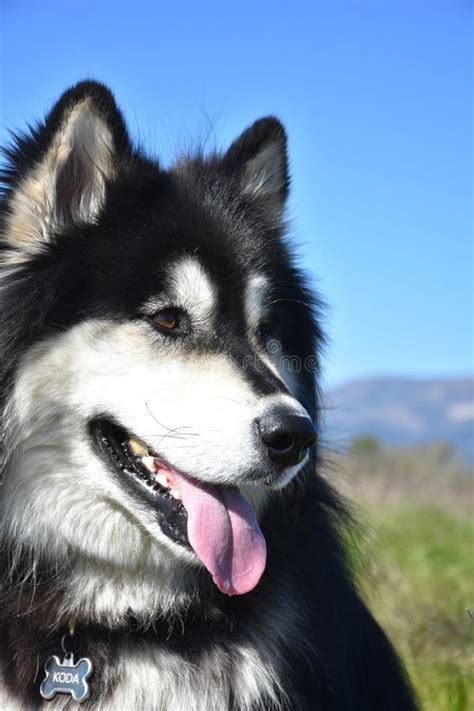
[377, 100]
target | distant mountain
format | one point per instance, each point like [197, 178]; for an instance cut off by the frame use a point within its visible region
[403, 411]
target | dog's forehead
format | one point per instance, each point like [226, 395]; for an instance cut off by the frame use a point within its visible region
[198, 288]
[189, 285]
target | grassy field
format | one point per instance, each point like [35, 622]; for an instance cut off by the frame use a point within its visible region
[416, 565]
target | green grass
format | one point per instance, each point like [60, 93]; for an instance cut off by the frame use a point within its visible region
[416, 572]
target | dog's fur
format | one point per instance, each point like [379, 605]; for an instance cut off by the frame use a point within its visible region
[95, 238]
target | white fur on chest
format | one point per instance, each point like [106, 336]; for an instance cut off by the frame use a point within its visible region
[162, 681]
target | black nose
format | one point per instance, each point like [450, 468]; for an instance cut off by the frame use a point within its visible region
[287, 436]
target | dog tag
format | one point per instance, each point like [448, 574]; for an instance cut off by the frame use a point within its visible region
[66, 677]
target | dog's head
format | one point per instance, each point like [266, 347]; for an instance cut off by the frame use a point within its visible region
[157, 347]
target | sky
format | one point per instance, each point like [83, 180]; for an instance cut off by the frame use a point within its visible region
[376, 98]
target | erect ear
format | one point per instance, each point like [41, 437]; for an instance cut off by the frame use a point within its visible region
[58, 175]
[258, 158]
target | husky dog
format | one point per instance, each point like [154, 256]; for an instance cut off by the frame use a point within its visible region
[161, 511]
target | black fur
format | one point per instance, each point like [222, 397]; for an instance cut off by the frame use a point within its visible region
[108, 268]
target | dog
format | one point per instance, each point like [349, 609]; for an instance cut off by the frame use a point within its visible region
[163, 519]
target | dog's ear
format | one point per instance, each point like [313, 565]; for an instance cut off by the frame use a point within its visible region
[59, 174]
[258, 158]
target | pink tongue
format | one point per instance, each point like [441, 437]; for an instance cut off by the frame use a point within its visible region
[224, 532]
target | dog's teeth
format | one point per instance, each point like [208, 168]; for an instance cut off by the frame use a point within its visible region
[161, 479]
[138, 447]
[154, 466]
[149, 463]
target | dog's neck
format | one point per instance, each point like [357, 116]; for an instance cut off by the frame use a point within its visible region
[251, 630]
[93, 594]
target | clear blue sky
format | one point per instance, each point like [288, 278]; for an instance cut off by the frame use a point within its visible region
[376, 99]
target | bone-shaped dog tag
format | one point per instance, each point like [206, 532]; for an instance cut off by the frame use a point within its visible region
[65, 677]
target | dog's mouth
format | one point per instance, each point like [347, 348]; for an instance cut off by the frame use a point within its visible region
[215, 521]
[145, 473]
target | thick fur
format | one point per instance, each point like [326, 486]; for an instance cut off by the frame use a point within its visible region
[95, 239]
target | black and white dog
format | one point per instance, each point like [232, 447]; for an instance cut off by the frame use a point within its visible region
[161, 513]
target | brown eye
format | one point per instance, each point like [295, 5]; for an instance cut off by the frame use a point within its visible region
[167, 320]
